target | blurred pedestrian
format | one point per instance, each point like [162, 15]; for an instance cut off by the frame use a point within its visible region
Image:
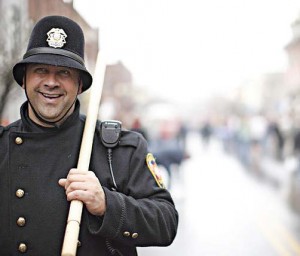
[137, 127]
[275, 135]
[124, 206]
[206, 132]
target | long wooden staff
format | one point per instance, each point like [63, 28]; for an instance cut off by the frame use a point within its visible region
[73, 225]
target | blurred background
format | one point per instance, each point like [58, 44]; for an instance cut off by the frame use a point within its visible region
[214, 86]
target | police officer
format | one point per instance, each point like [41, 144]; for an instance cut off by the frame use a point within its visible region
[124, 207]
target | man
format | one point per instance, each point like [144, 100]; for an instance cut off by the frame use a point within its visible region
[124, 207]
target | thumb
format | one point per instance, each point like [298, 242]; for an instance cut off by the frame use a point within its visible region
[62, 182]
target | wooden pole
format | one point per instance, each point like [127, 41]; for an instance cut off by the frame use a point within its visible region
[74, 218]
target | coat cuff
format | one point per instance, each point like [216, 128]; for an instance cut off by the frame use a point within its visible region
[111, 223]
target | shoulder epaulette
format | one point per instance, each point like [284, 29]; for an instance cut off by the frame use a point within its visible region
[13, 125]
[8, 127]
[129, 138]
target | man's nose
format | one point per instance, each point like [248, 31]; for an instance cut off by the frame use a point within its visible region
[52, 80]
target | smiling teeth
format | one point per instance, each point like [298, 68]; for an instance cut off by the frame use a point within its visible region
[51, 95]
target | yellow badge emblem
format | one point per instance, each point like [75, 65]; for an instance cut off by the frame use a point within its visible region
[151, 163]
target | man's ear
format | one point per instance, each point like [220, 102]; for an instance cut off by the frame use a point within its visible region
[80, 86]
[24, 76]
[23, 84]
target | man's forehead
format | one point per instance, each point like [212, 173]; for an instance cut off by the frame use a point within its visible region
[47, 66]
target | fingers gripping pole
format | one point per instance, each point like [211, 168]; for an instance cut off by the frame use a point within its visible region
[73, 224]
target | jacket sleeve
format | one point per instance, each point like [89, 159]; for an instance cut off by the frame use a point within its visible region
[145, 215]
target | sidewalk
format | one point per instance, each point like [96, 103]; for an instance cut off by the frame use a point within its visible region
[281, 174]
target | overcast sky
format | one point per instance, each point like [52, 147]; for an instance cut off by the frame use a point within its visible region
[176, 46]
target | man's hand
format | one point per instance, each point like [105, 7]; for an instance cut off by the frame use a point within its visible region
[85, 186]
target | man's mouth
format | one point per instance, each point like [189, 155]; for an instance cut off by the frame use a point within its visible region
[51, 96]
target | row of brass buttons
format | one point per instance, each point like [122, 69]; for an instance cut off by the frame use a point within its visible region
[127, 234]
[21, 221]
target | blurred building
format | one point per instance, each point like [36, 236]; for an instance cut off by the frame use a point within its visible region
[293, 71]
[117, 98]
[263, 93]
[14, 17]
[293, 53]
[13, 32]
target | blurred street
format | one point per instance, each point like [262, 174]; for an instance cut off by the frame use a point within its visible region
[225, 210]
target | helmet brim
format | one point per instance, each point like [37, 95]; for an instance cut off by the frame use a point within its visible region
[54, 60]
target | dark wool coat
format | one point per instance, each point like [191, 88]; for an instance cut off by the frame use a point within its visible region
[34, 209]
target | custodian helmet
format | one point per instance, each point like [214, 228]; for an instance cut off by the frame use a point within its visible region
[58, 41]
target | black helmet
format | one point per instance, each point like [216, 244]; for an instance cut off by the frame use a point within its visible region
[58, 41]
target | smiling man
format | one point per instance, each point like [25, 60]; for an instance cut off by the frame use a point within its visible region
[125, 205]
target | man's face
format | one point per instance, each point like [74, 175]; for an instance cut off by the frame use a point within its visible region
[51, 91]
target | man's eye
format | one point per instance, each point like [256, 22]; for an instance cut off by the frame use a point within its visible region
[64, 72]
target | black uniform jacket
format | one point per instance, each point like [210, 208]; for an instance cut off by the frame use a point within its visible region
[34, 209]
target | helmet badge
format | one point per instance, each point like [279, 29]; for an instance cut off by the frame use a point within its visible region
[56, 37]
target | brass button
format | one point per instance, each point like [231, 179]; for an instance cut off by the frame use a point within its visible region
[22, 247]
[78, 243]
[21, 221]
[126, 233]
[20, 193]
[18, 140]
[135, 235]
